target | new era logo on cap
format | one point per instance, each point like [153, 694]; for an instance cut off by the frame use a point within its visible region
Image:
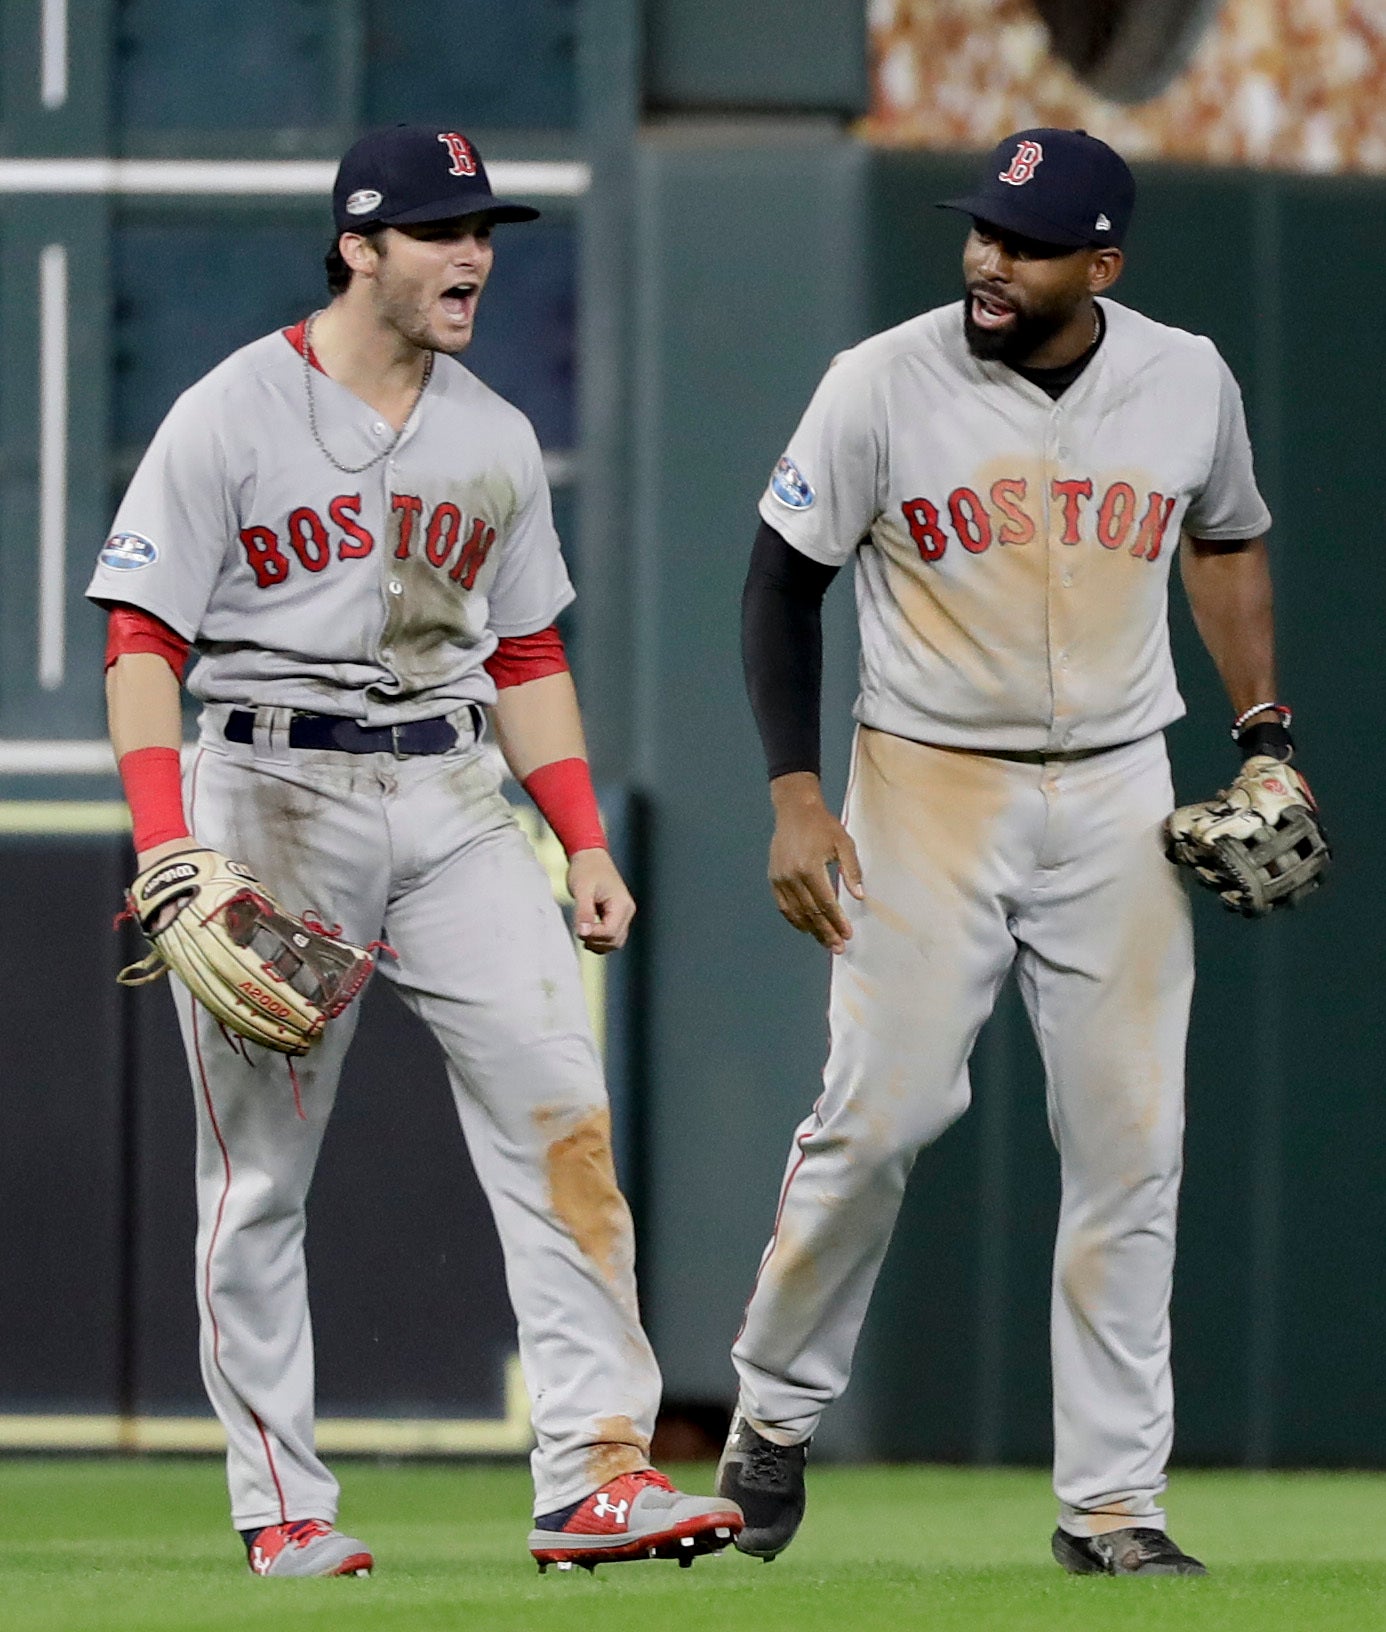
[1102, 224]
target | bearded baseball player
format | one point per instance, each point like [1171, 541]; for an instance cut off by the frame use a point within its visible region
[354, 536]
[1013, 474]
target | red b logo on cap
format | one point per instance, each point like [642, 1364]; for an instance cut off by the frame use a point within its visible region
[1023, 165]
[463, 159]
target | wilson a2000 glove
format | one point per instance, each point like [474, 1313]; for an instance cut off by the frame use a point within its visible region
[263, 973]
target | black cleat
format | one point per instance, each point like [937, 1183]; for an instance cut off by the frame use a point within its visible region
[766, 1482]
[1123, 1552]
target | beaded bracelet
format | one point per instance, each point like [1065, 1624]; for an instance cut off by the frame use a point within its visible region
[1286, 716]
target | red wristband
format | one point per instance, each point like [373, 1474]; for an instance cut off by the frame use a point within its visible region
[153, 782]
[567, 800]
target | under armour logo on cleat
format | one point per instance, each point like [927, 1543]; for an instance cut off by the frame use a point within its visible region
[607, 1508]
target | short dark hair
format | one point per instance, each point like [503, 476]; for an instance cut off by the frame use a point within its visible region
[338, 272]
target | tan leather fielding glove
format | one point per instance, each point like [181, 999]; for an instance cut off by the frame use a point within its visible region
[264, 974]
[1259, 845]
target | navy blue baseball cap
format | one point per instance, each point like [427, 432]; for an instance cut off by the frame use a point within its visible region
[409, 174]
[1060, 187]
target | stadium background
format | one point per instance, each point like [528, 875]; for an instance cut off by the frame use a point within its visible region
[731, 194]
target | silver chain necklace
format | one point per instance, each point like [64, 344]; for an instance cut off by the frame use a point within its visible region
[390, 446]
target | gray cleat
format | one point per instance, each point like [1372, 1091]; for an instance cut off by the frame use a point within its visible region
[766, 1481]
[635, 1515]
[307, 1547]
[1123, 1552]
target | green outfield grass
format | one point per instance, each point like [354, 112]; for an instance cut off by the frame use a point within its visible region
[144, 1546]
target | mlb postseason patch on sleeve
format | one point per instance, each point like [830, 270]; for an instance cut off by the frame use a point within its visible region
[128, 552]
[789, 486]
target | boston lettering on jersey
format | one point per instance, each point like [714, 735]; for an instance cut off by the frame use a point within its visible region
[449, 540]
[1121, 517]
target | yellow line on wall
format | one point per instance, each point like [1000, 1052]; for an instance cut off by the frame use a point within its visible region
[379, 1436]
[64, 816]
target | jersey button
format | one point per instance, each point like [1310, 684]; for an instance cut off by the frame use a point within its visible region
[396, 588]
[379, 427]
[1068, 580]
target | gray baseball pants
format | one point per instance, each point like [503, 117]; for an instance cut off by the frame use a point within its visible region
[973, 864]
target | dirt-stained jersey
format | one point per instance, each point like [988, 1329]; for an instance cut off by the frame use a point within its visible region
[377, 595]
[1013, 552]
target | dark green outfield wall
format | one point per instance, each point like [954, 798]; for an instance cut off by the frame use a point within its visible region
[754, 265]
[664, 332]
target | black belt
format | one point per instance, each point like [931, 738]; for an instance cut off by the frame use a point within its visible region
[345, 736]
[1045, 756]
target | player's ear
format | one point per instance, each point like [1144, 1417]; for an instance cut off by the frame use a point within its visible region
[359, 253]
[1104, 269]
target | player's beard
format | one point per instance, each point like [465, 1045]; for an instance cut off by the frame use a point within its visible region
[1019, 341]
[400, 306]
[398, 309]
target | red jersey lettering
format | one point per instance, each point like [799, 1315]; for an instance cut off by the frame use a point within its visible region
[408, 508]
[922, 518]
[1153, 524]
[343, 510]
[1116, 515]
[1019, 525]
[443, 527]
[971, 522]
[1071, 491]
[474, 553]
[267, 560]
[309, 538]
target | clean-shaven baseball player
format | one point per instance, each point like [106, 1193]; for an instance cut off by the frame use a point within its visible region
[354, 536]
[1013, 474]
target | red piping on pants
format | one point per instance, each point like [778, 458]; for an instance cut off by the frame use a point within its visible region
[221, 1209]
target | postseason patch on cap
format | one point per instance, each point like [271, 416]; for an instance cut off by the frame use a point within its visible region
[363, 201]
[789, 486]
[128, 552]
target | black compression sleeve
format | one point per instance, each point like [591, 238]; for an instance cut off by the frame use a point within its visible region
[782, 650]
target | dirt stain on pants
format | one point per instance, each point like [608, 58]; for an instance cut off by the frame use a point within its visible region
[583, 1191]
[621, 1448]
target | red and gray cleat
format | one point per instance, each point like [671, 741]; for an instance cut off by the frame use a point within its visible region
[638, 1515]
[307, 1547]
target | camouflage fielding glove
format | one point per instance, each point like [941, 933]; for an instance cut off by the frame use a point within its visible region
[274, 979]
[1259, 844]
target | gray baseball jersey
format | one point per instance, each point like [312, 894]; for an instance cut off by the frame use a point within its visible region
[378, 595]
[1013, 552]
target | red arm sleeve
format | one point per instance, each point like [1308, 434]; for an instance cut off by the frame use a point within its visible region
[130, 630]
[527, 657]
